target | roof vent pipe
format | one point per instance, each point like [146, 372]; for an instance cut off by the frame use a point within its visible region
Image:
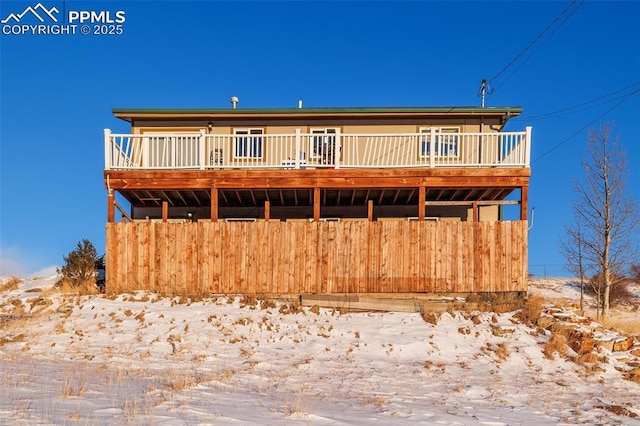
[234, 101]
[300, 104]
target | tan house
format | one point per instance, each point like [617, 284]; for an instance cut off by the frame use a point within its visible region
[317, 200]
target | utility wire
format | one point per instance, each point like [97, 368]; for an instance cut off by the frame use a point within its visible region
[541, 43]
[574, 108]
[535, 40]
[584, 127]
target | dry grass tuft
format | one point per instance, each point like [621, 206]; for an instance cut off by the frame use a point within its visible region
[633, 375]
[626, 326]
[301, 403]
[73, 390]
[15, 339]
[557, 343]
[430, 317]
[11, 284]
[249, 300]
[291, 308]
[500, 351]
[531, 311]
[267, 304]
[84, 288]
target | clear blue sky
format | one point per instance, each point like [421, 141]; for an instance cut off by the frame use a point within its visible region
[57, 91]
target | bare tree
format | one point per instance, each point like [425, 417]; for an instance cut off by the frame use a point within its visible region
[572, 249]
[606, 215]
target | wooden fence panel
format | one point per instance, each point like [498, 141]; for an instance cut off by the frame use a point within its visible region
[317, 257]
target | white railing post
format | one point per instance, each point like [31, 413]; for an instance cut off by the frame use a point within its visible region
[298, 150]
[432, 147]
[146, 156]
[527, 152]
[107, 149]
[336, 150]
[202, 152]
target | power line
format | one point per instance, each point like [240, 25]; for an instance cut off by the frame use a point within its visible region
[535, 40]
[574, 108]
[584, 127]
[541, 44]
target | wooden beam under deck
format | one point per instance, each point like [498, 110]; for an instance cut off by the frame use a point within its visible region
[111, 215]
[524, 202]
[421, 200]
[214, 204]
[344, 178]
[316, 204]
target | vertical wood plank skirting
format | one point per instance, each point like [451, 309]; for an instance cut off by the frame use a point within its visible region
[317, 257]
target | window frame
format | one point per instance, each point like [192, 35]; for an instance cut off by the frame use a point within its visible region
[452, 148]
[328, 137]
[249, 139]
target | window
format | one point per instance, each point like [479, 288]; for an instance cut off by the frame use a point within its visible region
[323, 144]
[247, 146]
[445, 145]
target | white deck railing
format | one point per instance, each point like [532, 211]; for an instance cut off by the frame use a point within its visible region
[305, 151]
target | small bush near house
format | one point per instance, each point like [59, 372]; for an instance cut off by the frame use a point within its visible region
[79, 266]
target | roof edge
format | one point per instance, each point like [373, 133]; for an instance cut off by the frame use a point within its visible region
[319, 110]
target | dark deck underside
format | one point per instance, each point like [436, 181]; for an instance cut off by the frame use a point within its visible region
[348, 187]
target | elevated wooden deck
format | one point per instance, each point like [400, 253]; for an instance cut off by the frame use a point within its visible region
[218, 189]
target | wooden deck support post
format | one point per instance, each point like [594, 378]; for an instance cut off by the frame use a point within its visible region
[165, 211]
[267, 210]
[422, 197]
[475, 212]
[316, 204]
[524, 201]
[370, 210]
[111, 207]
[214, 204]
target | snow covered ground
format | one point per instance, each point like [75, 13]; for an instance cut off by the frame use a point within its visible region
[144, 359]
